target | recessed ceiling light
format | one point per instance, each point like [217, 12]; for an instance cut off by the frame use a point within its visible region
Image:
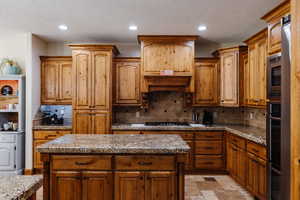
[63, 27]
[133, 27]
[202, 28]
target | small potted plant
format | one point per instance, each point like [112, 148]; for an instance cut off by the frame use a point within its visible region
[9, 66]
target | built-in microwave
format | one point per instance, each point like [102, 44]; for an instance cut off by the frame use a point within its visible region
[274, 77]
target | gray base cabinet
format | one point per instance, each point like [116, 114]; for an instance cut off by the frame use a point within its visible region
[12, 153]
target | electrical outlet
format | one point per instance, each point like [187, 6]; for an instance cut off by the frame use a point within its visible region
[215, 115]
[137, 114]
[251, 115]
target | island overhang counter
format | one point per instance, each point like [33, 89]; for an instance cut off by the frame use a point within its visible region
[119, 167]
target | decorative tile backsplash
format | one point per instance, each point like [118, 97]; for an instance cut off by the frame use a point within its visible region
[169, 106]
[67, 110]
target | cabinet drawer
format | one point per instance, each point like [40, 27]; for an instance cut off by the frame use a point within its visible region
[5, 138]
[184, 135]
[209, 147]
[209, 162]
[237, 141]
[46, 135]
[81, 162]
[256, 149]
[209, 135]
[127, 132]
[145, 162]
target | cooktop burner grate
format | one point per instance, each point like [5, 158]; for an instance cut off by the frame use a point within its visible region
[167, 124]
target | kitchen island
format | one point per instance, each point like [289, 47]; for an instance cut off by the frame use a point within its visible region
[19, 187]
[119, 167]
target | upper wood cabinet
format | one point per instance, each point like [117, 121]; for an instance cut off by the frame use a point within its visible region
[92, 87]
[126, 81]
[56, 80]
[273, 18]
[92, 79]
[255, 71]
[91, 122]
[173, 53]
[206, 82]
[231, 72]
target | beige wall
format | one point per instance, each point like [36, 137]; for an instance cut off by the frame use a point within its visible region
[129, 49]
[37, 48]
[14, 46]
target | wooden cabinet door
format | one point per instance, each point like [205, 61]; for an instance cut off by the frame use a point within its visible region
[256, 176]
[229, 160]
[82, 122]
[234, 161]
[50, 81]
[229, 79]
[252, 169]
[160, 186]
[241, 166]
[128, 83]
[206, 83]
[190, 163]
[274, 38]
[100, 123]
[129, 186]
[66, 185]
[101, 79]
[97, 186]
[37, 163]
[262, 71]
[82, 91]
[246, 79]
[65, 82]
[253, 75]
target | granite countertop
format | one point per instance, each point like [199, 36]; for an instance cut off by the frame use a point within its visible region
[254, 134]
[116, 144]
[38, 126]
[19, 187]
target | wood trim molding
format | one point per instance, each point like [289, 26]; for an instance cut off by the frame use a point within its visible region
[278, 11]
[105, 47]
[261, 34]
[160, 38]
[28, 171]
[68, 58]
[295, 96]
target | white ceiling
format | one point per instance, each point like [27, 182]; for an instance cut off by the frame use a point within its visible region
[108, 20]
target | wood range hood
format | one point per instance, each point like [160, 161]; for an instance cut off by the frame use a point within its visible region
[167, 62]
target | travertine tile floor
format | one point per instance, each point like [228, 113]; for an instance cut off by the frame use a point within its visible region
[215, 187]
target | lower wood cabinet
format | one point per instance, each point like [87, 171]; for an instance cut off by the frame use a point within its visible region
[144, 186]
[236, 163]
[40, 137]
[91, 122]
[256, 176]
[209, 151]
[246, 164]
[114, 177]
[88, 185]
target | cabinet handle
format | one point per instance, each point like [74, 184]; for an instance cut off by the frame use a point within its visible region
[144, 163]
[141, 177]
[48, 136]
[208, 163]
[84, 163]
[255, 150]
[208, 148]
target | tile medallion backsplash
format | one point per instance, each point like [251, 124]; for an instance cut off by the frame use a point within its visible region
[169, 106]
